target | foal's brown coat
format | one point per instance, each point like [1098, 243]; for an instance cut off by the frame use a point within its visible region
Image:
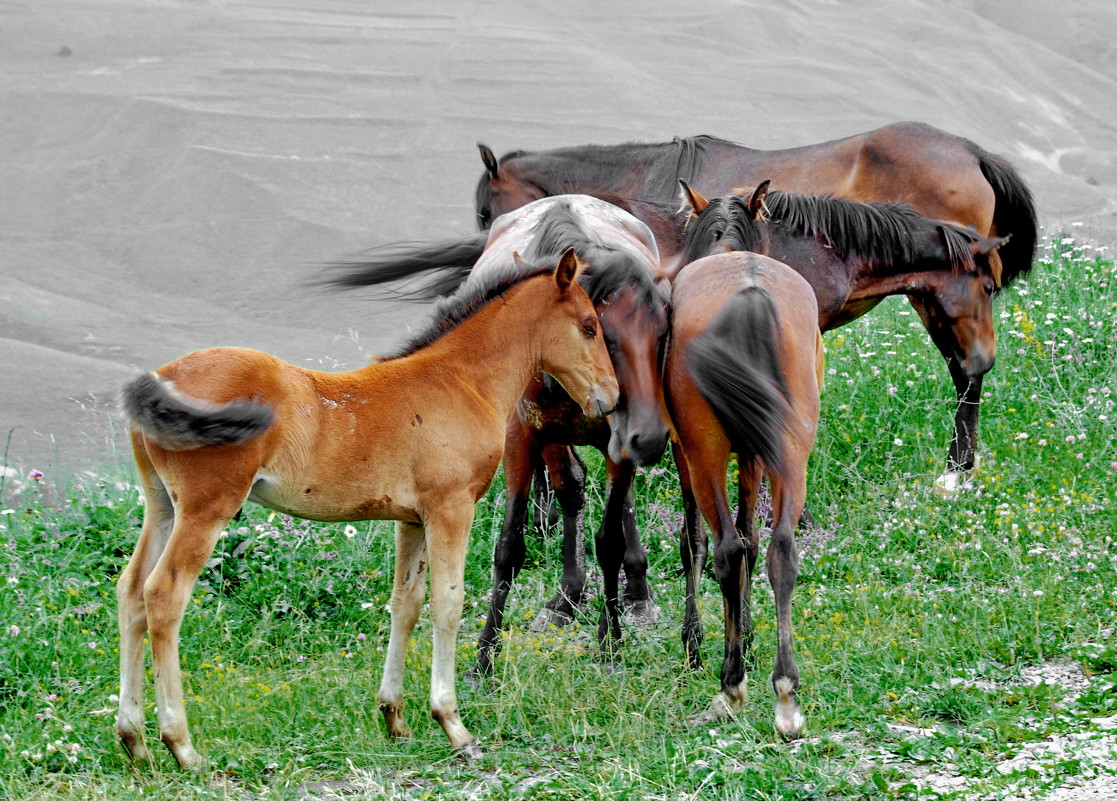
[416, 439]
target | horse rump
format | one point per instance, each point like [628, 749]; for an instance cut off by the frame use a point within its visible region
[179, 422]
[735, 366]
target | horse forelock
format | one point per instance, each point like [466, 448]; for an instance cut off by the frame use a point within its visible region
[727, 220]
[957, 242]
[610, 269]
[452, 311]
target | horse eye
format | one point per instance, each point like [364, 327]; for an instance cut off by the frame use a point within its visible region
[589, 329]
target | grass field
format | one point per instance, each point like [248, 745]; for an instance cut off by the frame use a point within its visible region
[918, 620]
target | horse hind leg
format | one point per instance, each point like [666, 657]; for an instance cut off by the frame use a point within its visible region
[783, 568]
[199, 519]
[131, 612]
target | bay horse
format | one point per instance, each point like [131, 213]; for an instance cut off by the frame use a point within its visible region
[856, 254]
[743, 371]
[416, 438]
[940, 175]
[622, 259]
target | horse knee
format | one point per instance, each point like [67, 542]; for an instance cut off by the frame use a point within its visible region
[728, 556]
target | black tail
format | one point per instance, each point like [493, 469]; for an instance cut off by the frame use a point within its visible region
[1014, 213]
[182, 423]
[737, 370]
[452, 259]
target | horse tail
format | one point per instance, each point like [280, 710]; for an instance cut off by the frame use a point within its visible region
[178, 422]
[1014, 213]
[451, 260]
[736, 369]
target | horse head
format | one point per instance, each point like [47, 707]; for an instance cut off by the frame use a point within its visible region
[726, 223]
[500, 190]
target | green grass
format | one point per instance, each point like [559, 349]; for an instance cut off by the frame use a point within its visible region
[910, 611]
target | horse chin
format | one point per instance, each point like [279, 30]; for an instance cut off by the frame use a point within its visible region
[976, 364]
[617, 429]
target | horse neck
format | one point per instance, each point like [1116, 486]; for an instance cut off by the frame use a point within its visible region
[929, 263]
[495, 351]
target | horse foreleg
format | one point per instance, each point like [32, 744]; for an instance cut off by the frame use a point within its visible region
[131, 614]
[520, 454]
[639, 601]
[408, 588]
[783, 567]
[447, 541]
[963, 446]
[692, 554]
[610, 547]
[568, 477]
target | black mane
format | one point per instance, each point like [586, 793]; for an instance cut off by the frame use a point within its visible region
[452, 311]
[878, 231]
[573, 169]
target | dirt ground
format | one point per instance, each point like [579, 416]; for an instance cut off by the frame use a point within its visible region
[172, 173]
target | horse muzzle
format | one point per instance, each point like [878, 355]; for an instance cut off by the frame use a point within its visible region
[602, 400]
[643, 445]
[976, 362]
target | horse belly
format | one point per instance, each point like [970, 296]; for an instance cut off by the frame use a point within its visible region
[334, 501]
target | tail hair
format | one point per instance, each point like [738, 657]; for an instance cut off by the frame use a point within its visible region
[179, 422]
[448, 262]
[736, 368]
[1014, 212]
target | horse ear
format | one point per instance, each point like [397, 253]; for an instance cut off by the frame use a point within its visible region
[517, 259]
[490, 161]
[567, 270]
[756, 202]
[692, 199]
[988, 247]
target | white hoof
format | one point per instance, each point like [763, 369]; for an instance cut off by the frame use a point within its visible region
[953, 482]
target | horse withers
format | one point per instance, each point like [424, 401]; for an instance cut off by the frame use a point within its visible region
[415, 438]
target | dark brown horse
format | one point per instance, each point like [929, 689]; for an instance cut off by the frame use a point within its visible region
[743, 371]
[622, 262]
[940, 175]
[856, 254]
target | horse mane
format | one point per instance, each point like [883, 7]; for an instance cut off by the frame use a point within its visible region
[452, 311]
[881, 232]
[572, 169]
[608, 267]
[726, 219]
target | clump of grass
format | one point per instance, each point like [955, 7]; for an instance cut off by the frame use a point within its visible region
[914, 615]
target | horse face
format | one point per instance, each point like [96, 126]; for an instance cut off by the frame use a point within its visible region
[959, 315]
[574, 349]
[499, 192]
[635, 330]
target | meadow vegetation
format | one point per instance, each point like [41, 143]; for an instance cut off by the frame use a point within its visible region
[918, 619]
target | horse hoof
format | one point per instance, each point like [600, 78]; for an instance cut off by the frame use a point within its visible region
[642, 613]
[470, 752]
[548, 617]
[953, 482]
[720, 709]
